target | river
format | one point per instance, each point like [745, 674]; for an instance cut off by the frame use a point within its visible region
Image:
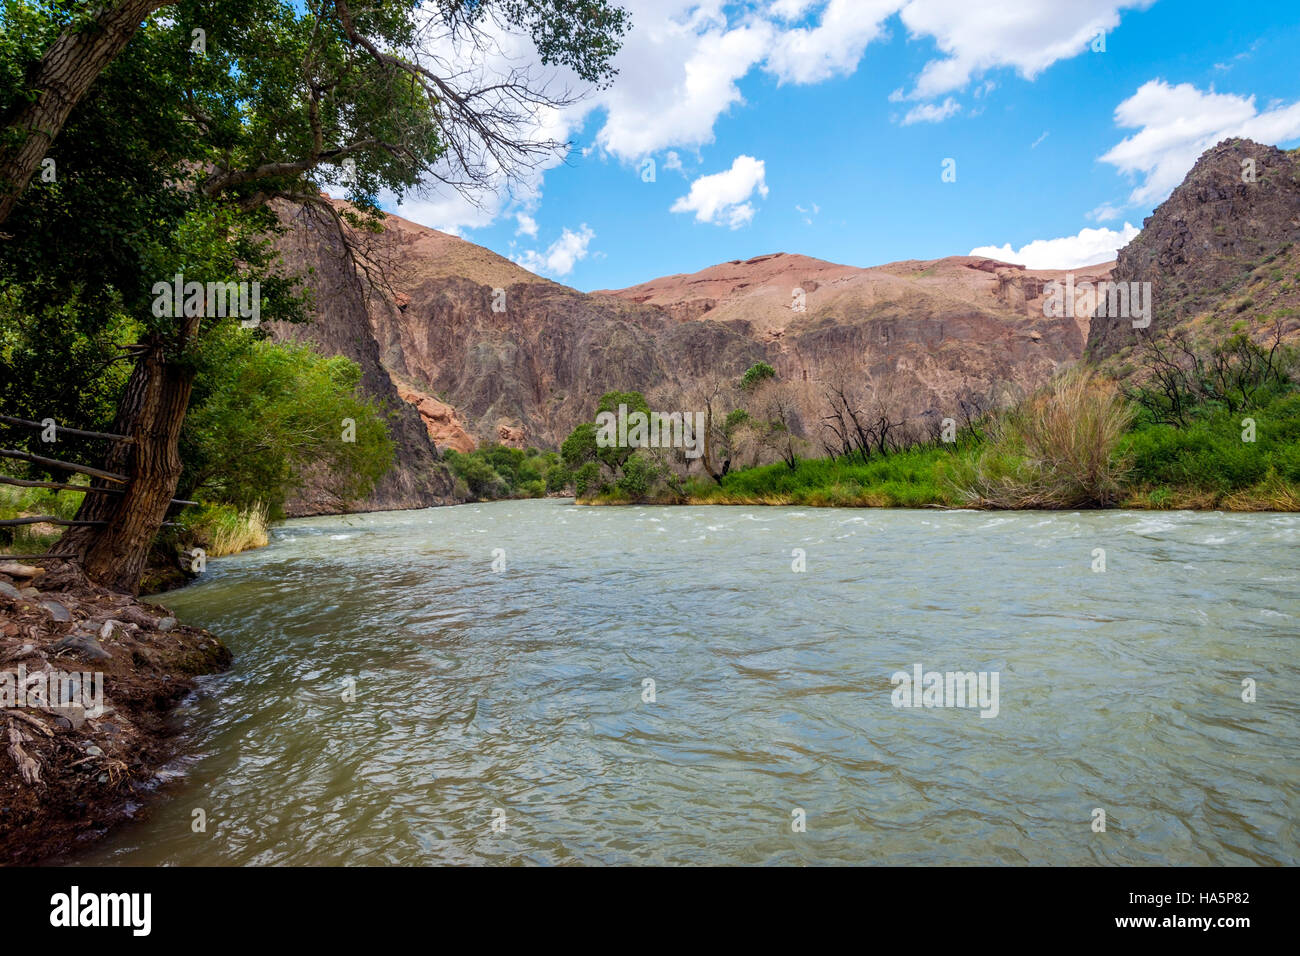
[470, 684]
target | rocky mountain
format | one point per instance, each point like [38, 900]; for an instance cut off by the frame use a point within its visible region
[468, 347]
[522, 360]
[1224, 246]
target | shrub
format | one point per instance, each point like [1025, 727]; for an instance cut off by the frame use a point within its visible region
[1055, 450]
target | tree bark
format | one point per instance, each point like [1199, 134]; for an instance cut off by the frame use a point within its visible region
[61, 79]
[151, 412]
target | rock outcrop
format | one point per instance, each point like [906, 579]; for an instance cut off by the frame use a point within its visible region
[441, 424]
[340, 326]
[522, 360]
[1225, 243]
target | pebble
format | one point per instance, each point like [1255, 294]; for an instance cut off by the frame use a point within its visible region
[73, 716]
[57, 610]
[83, 644]
[9, 591]
[167, 623]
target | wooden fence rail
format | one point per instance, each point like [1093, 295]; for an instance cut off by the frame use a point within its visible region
[48, 519]
[9, 419]
[63, 486]
[58, 486]
[66, 466]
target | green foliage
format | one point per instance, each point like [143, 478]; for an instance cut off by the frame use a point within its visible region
[1210, 454]
[18, 502]
[491, 472]
[262, 413]
[587, 480]
[1056, 449]
[639, 474]
[221, 529]
[911, 478]
[755, 375]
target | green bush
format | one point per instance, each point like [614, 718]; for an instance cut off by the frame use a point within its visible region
[1210, 453]
[491, 472]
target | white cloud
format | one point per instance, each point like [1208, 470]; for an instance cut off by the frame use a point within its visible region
[677, 74]
[790, 9]
[561, 256]
[527, 225]
[1178, 123]
[681, 65]
[931, 113]
[1029, 35]
[725, 197]
[672, 161]
[1034, 144]
[834, 46]
[1089, 247]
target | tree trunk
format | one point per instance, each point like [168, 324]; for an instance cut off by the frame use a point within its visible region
[61, 79]
[152, 412]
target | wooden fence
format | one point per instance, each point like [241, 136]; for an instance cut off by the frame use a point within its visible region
[55, 463]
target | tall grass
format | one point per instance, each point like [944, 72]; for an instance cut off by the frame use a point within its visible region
[1057, 449]
[223, 529]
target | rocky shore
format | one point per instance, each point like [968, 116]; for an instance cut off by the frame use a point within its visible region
[88, 679]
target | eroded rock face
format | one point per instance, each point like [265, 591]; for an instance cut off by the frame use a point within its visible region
[520, 360]
[1202, 244]
[523, 360]
[340, 326]
[445, 430]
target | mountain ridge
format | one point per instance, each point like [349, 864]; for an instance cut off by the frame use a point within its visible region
[491, 352]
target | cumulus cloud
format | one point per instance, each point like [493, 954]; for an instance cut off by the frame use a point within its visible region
[560, 256]
[1089, 247]
[678, 73]
[1177, 123]
[527, 225]
[931, 112]
[724, 198]
[834, 46]
[1028, 35]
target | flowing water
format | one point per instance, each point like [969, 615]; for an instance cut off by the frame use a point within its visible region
[503, 715]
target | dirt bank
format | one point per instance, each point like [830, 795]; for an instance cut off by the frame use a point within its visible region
[75, 763]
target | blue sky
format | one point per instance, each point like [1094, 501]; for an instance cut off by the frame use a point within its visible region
[821, 127]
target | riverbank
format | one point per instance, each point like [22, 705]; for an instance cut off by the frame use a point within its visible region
[81, 764]
[1077, 445]
[929, 478]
